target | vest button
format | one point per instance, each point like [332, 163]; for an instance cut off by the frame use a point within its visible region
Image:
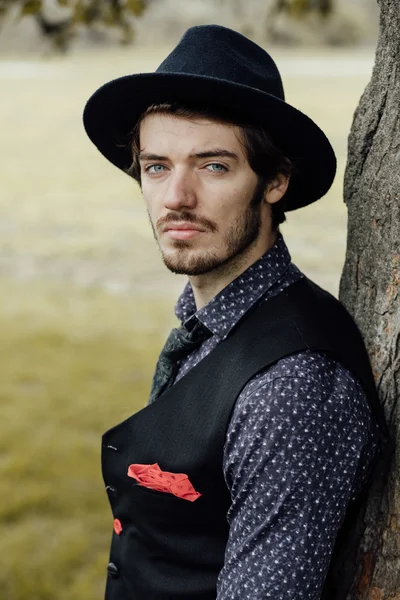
[113, 570]
[111, 491]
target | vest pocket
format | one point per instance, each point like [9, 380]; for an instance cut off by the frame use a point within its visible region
[161, 495]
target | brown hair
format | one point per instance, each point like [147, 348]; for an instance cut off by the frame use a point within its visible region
[264, 157]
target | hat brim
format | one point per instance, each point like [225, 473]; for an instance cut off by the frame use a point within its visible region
[113, 110]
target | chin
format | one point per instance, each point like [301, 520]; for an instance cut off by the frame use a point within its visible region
[191, 262]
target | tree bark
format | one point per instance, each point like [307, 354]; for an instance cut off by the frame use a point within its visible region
[369, 288]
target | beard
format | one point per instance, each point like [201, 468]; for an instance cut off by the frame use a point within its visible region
[236, 242]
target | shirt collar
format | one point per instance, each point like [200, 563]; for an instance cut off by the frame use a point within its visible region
[230, 304]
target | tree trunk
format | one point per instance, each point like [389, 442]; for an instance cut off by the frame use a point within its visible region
[369, 288]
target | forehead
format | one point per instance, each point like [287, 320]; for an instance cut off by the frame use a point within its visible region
[164, 131]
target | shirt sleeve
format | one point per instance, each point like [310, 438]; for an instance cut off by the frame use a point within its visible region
[300, 438]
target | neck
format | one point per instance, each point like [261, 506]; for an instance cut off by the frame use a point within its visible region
[206, 287]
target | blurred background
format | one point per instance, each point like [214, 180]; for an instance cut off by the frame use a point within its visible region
[86, 302]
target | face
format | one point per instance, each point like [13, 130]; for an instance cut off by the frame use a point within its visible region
[204, 201]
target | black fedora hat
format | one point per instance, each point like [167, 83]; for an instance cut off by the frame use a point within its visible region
[212, 63]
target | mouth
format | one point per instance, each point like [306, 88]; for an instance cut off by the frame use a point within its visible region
[183, 234]
[182, 231]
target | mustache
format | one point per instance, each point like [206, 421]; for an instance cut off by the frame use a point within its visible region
[187, 217]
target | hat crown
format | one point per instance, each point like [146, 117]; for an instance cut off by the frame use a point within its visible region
[219, 52]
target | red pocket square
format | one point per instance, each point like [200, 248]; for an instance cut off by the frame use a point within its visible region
[151, 476]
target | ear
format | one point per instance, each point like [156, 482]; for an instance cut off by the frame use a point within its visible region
[276, 188]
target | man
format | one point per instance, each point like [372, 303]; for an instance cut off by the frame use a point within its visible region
[263, 423]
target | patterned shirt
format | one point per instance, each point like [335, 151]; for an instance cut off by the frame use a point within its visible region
[298, 445]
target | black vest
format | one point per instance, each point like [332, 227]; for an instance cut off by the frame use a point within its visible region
[171, 548]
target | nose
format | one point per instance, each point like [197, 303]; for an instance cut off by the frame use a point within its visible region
[180, 192]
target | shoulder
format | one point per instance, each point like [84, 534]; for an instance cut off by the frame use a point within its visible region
[302, 399]
[309, 365]
[305, 381]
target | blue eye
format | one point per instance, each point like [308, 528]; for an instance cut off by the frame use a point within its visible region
[156, 168]
[220, 168]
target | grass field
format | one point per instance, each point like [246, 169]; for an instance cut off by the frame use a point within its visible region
[74, 362]
[86, 302]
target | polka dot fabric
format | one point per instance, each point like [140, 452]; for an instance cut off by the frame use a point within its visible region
[298, 446]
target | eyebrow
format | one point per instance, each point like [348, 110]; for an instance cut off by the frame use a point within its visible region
[215, 153]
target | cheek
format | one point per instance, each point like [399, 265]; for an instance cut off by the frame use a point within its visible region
[227, 209]
[235, 203]
[227, 199]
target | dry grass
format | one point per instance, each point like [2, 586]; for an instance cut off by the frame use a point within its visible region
[86, 302]
[73, 364]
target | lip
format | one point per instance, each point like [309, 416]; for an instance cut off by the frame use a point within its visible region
[182, 225]
[183, 234]
[182, 231]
